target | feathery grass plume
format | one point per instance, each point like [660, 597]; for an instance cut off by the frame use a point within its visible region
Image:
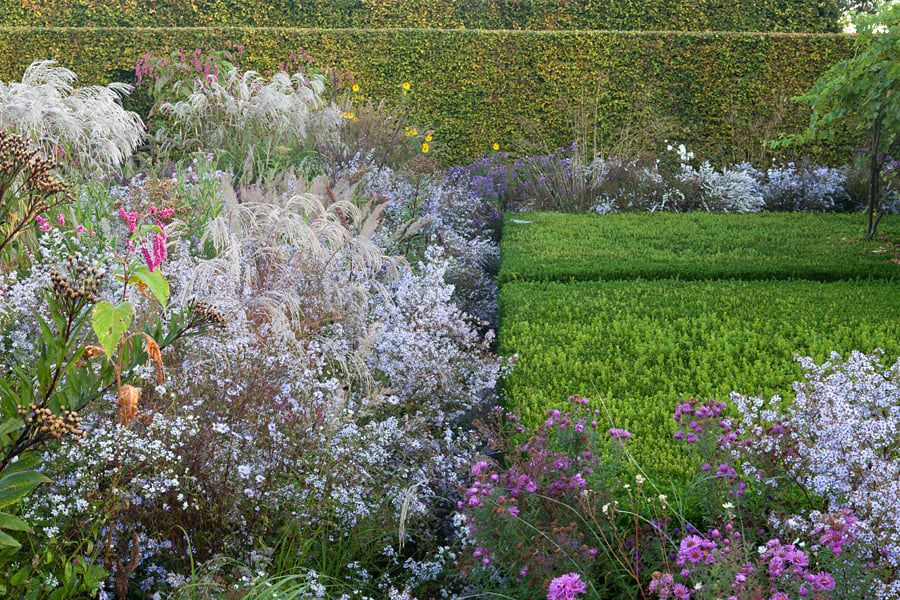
[85, 125]
[255, 124]
[294, 256]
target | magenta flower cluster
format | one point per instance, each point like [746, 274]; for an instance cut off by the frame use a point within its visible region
[153, 250]
[702, 423]
[775, 567]
[556, 461]
[566, 587]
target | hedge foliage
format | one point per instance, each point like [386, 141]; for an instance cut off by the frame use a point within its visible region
[565, 247]
[641, 345]
[681, 15]
[723, 94]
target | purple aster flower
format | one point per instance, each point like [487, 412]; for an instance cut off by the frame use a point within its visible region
[617, 433]
[566, 587]
[823, 582]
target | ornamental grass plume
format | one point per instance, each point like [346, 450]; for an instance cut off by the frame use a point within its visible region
[300, 255]
[87, 126]
[252, 121]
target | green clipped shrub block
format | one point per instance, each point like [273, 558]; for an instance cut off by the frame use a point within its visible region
[639, 346]
[723, 94]
[682, 15]
[698, 245]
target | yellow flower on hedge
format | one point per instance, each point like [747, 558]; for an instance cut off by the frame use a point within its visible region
[355, 87]
[428, 138]
[425, 147]
[415, 131]
[496, 146]
[406, 86]
[407, 131]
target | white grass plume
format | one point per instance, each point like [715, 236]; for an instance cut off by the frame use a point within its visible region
[86, 125]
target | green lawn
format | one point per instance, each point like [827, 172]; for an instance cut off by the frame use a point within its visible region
[588, 247]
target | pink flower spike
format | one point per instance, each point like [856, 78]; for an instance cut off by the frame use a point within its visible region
[156, 254]
[80, 229]
[130, 218]
[60, 219]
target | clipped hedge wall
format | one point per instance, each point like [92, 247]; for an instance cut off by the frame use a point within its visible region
[681, 15]
[724, 94]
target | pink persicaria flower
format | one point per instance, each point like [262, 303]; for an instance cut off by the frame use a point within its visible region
[80, 229]
[44, 224]
[130, 219]
[60, 219]
[566, 587]
[155, 256]
[617, 433]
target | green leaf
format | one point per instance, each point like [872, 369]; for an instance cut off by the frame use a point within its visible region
[24, 479]
[149, 228]
[12, 523]
[10, 425]
[15, 486]
[110, 324]
[8, 541]
[156, 281]
[20, 576]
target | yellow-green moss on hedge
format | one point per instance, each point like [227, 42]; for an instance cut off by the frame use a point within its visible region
[723, 94]
[681, 15]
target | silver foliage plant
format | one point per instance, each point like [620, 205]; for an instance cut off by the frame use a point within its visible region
[85, 125]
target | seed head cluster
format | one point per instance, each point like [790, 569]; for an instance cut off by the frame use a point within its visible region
[44, 421]
[80, 286]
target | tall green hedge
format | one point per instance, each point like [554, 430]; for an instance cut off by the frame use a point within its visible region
[723, 94]
[681, 15]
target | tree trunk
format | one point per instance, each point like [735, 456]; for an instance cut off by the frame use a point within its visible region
[874, 200]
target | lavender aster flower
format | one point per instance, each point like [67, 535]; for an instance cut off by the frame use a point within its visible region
[566, 587]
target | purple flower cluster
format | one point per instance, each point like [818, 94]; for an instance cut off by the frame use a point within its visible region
[726, 556]
[566, 587]
[556, 461]
[837, 441]
[702, 423]
[837, 530]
